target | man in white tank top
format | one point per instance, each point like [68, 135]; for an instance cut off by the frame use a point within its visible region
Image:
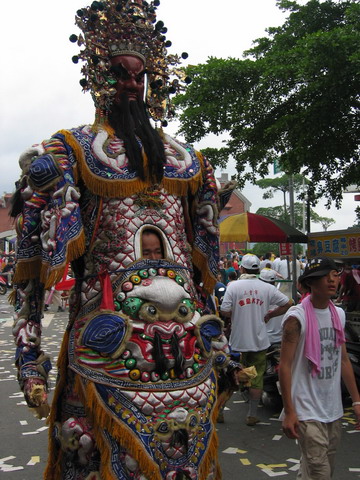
[313, 360]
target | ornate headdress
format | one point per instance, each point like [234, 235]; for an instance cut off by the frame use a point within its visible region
[114, 27]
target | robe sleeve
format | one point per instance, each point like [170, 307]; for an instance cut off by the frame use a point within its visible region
[50, 235]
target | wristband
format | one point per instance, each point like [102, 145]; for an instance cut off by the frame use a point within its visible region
[355, 403]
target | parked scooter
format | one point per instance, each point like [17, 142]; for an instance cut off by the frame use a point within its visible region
[3, 285]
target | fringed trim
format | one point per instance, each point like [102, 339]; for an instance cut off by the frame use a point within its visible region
[53, 468]
[33, 268]
[211, 455]
[12, 297]
[208, 279]
[200, 156]
[210, 458]
[183, 187]
[103, 420]
[106, 187]
[75, 248]
[74, 144]
[27, 270]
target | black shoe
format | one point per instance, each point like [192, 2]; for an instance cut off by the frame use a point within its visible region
[60, 309]
[46, 308]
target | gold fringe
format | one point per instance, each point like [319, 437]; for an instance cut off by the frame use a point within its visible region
[33, 268]
[200, 156]
[210, 457]
[53, 467]
[101, 420]
[183, 187]
[27, 269]
[208, 279]
[125, 188]
[75, 248]
[12, 297]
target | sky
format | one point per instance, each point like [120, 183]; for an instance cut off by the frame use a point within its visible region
[39, 85]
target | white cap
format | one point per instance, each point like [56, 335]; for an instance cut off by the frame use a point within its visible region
[250, 262]
[268, 275]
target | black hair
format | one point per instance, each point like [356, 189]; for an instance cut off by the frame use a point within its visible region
[254, 271]
[131, 124]
[232, 275]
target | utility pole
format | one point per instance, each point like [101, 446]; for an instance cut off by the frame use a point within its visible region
[292, 223]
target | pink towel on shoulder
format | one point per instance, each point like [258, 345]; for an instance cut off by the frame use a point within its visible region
[312, 338]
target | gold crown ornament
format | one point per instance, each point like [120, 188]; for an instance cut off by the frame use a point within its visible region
[112, 27]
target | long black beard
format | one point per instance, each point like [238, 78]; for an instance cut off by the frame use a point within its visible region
[131, 124]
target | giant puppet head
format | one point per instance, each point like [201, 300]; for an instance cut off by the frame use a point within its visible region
[112, 29]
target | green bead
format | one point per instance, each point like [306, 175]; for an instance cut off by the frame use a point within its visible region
[165, 376]
[130, 363]
[143, 273]
[196, 367]
[179, 280]
[189, 303]
[117, 306]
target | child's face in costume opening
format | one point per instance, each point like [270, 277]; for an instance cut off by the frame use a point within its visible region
[151, 247]
[130, 74]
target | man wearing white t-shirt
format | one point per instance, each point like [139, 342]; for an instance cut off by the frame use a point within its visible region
[313, 360]
[247, 302]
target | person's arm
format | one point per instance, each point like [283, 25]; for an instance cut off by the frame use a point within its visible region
[347, 374]
[289, 344]
[278, 311]
[225, 314]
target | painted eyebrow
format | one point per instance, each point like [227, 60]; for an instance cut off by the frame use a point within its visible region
[119, 69]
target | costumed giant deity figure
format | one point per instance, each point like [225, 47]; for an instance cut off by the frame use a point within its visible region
[136, 391]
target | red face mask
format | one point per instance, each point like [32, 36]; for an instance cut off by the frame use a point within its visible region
[130, 74]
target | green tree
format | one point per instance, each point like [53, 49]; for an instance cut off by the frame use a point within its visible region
[294, 98]
[278, 212]
[281, 184]
[325, 222]
[262, 248]
[357, 221]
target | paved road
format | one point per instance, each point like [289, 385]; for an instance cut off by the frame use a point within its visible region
[252, 453]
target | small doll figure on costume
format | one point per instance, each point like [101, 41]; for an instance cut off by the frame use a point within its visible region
[135, 213]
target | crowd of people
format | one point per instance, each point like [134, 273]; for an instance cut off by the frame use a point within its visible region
[348, 293]
[313, 357]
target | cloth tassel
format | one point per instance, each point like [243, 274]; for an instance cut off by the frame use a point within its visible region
[107, 302]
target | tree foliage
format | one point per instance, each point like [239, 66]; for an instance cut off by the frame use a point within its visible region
[357, 220]
[294, 98]
[281, 184]
[278, 212]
